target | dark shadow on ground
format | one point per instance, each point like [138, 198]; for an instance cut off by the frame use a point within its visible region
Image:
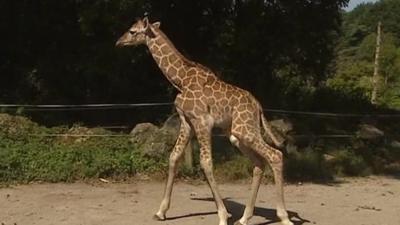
[191, 215]
[236, 209]
[394, 173]
[336, 182]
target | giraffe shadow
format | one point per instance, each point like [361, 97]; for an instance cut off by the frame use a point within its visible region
[395, 174]
[236, 209]
[192, 215]
[269, 214]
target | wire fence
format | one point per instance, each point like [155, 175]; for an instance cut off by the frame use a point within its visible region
[79, 107]
[79, 135]
[215, 135]
[84, 107]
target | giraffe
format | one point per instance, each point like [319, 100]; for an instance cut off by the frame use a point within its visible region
[205, 101]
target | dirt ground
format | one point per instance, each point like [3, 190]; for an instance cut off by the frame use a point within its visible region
[360, 201]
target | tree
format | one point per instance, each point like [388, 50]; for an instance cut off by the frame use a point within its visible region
[63, 52]
[356, 53]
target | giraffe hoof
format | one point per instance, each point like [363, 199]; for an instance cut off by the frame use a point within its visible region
[158, 218]
[287, 222]
[238, 223]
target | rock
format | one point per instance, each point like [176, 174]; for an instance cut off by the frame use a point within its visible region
[395, 144]
[172, 125]
[142, 131]
[370, 132]
[280, 129]
[291, 148]
[76, 134]
[16, 125]
[328, 157]
[283, 126]
[79, 134]
[151, 140]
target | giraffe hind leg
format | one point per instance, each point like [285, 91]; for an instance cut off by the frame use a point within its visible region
[274, 157]
[258, 171]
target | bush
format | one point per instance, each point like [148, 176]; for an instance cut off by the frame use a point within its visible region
[53, 162]
[25, 158]
[239, 167]
[308, 165]
[346, 162]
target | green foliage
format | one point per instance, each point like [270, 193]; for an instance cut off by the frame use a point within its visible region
[25, 158]
[346, 162]
[38, 160]
[63, 52]
[18, 127]
[307, 165]
[239, 167]
[356, 53]
[354, 79]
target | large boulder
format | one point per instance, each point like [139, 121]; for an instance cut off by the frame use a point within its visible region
[172, 125]
[152, 140]
[280, 129]
[17, 126]
[75, 135]
[283, 126]
[143, 131]
[369, 132]
[395, 144]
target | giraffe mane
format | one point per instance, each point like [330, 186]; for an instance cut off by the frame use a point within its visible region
[185, 59]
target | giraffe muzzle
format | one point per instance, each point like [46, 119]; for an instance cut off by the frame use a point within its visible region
[119, 43]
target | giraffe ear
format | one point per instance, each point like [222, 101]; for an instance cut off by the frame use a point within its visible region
[148, 28]
[156, 24]
[145, 22]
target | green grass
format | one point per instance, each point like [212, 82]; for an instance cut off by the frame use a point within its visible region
[39, 159]
[347, 162]
[25, 161]
[25, 158]
[307, 165]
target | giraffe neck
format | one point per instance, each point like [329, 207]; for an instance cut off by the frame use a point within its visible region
[171, 62]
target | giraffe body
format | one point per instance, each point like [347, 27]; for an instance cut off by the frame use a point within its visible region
[204, 101]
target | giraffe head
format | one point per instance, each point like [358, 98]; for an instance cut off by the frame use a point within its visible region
[138, 34]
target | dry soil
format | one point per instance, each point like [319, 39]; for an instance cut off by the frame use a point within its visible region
[357, 201]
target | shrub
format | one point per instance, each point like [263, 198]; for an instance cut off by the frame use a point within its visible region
[25, 158]
[51, 161]
[346, 162]
[239, 167]
[308, 165]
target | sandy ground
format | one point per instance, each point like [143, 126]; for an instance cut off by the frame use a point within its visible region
[361, 201]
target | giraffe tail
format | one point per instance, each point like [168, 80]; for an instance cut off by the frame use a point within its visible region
[278, 140]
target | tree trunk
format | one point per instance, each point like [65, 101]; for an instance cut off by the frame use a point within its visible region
[375, 78]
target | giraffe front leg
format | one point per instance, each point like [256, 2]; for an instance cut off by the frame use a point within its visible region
[176, 154]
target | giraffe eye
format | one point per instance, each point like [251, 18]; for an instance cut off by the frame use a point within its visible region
[132, 32]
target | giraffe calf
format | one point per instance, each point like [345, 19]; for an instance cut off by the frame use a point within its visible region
[205, 101]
